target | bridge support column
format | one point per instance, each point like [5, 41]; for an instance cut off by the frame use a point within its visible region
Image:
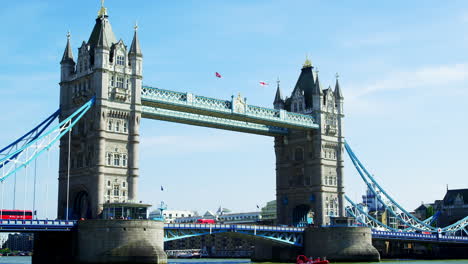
[121, 241]
[267, 251]
[340, 244]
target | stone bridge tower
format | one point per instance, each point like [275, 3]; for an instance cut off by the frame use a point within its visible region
[309, 165]
[103, 158]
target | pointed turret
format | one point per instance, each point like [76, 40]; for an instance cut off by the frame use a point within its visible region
[317, 88]
[305, 84]
[102, 32]
[102, 39]
[338, 93]
[279, 102]
[68, 54]
[135, 49]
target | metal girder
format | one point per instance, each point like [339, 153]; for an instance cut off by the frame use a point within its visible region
[286, 235]
[211, 121]
[21, 157]
[236, 109]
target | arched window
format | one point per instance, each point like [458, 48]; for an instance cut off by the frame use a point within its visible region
[109, 125]
[299, 154]
[125, 126]
[117, 126]
[116, 190]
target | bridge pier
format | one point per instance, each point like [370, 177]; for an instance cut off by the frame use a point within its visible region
[103, 241]
[340, 244]
[267, 251]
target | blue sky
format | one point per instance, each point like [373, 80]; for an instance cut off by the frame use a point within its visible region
[403, 68]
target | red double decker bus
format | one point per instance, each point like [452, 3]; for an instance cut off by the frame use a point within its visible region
[206, 221]
[16, 214]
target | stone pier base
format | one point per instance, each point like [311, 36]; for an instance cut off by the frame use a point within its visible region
[268, 251]
[103, 241]
[340, 244]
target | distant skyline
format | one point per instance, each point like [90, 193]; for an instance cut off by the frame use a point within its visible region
[403, 69]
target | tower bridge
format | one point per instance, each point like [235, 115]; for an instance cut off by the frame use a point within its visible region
[102, 102]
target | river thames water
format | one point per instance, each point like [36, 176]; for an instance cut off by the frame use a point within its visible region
[27, 260]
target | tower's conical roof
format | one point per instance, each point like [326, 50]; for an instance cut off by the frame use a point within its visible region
[278, 96]
[135, 48]
[67, 54]
[338, 93]
[306, 84]
[102, 31]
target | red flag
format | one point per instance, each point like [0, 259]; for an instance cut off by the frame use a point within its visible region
[218, 75]
[263, 83]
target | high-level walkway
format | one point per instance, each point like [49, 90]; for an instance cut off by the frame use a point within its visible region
[234, 115]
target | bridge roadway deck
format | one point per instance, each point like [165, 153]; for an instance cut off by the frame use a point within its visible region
[289, 235]
[234, 115]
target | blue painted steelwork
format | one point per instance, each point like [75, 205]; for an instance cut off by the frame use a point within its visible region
[287, 235]
[36, 225]
[29, 152]
[411, 236]
[236, 109]
[28, 137]
[407, 219]
[211, 121]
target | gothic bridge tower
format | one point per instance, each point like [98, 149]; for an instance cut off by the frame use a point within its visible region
[103, 157]
[309, 164]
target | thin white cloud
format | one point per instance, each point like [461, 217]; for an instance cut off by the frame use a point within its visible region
[427, 77]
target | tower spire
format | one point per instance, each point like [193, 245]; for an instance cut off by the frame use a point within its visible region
[135, 48]
[278, 103]
[317, 89]
[307, 63]
[338, 93]
[103, 11]
[67, 54]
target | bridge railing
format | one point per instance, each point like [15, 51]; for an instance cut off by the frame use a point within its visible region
[39, 222]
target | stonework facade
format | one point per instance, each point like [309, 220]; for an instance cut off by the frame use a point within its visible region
[309, 164]
[103, 157]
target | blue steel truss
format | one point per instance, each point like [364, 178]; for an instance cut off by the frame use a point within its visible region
[205, 111]
[406, 219]
[36, 225]
[27, 138]
[21, 157]
[287, 235]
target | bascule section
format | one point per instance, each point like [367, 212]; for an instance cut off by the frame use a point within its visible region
[99, 159]
[309, 163]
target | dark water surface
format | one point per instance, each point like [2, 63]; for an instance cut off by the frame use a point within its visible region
[27, 260]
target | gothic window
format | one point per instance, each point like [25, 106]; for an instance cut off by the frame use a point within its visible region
[128, 83]
[109, 160]
[112, 82]
[123, 184]
[120, 82]
[109, 125]
[116, 160]
[125, 126]
[117, 126]
[108, 192]
[116, 190]
[120, 60]
[124, 160]
[299, 154]
[123, 193]
[108, 183]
